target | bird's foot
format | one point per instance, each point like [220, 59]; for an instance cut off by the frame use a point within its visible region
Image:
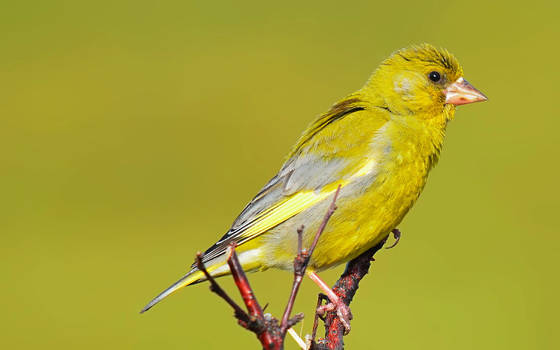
[335, 303]
[342, 311]
[397, 235]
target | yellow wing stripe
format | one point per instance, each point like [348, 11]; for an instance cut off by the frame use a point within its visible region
[294, 205]
[285, 210]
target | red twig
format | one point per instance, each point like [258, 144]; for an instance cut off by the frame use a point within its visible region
[239, 313]
[267, 329]
[267, 332]
[242, 283]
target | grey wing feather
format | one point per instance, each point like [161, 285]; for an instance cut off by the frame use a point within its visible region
[299, 172]
[303, 170]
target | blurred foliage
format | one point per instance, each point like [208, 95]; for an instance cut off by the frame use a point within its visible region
[133, 132]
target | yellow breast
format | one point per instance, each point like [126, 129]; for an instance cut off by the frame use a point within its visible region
[368, 217]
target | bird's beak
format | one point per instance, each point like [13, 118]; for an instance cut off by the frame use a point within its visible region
[461, 93]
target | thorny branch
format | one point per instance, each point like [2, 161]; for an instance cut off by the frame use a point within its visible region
[268, 330]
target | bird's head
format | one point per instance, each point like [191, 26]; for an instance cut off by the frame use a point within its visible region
[424, 81]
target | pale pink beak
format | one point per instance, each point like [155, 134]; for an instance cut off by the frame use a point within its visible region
[461, 93]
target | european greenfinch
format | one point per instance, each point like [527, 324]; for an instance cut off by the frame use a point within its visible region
[378, 144]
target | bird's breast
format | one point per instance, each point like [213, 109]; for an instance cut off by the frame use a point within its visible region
[378, 189]
[381, 191]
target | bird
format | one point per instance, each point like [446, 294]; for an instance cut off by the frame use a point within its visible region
[376, 147]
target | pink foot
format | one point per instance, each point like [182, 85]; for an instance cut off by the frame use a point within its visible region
[342, 311]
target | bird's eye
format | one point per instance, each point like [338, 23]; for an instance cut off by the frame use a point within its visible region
[434, 76]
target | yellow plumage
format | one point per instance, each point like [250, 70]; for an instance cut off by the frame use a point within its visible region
[378, 144]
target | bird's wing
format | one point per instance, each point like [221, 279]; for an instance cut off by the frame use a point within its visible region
[276, 203]
[305, 179]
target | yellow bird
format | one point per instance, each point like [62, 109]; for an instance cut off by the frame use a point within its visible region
[378, 144]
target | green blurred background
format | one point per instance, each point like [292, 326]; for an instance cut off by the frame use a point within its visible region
[133, 132]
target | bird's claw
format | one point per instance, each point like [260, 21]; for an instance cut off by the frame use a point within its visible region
[342, 311]
[397, 235]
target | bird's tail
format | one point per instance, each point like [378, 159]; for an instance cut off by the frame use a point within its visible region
[216, 267]
[192, 277]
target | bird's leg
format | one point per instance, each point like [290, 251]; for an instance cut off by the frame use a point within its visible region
[342, 310]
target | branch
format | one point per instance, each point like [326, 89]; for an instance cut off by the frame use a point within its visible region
[302, 260]
[345, 288]
[239, 313]
[266, 327]
[270, 333]
[255, 321]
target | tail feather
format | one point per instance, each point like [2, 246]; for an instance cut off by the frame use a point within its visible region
[190, 278]
[216, 267]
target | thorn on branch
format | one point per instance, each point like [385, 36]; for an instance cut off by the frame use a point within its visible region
[295, 320]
